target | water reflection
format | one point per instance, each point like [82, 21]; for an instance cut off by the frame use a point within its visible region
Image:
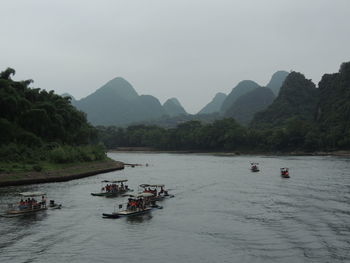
[138, 219]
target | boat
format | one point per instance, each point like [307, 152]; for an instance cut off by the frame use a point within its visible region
[53, 205]
[158, 194]
[137, 205]
[113, 188]
[29, 205]
[254, 167]
[285, 172]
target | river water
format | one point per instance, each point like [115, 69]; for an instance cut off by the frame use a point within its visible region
[221, 212]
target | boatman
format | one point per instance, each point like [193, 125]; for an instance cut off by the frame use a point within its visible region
[43, 201]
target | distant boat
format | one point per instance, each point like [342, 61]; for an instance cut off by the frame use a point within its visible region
[254, 167]
[285, 172]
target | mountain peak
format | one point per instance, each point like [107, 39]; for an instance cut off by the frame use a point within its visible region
[214, 105]
[118, 87]
[241, 88]
[173, 107]
[277, 80]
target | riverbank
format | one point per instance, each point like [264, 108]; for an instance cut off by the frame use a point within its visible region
[67, 173]
[226, 153]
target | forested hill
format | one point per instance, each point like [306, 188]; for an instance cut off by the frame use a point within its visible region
[240, 89]
[35, 122]
[333, 111]
[117, 103]
[247, 105]
[298, 98]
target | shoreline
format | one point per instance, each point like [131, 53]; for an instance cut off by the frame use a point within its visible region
[227, 153]
[60, 175]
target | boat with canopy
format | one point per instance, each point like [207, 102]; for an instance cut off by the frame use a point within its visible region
[158, 191]
[285, 172]
[138, 204]
[254, 167]
[113, 188]
[30, 203]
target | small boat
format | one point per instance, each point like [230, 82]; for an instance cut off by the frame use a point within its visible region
[137, 205]
[113, 188]
[285, 172]
[53, 205]
[254, 167]
[29, 205]
[158, 194]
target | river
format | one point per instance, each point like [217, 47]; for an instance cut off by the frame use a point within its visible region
[222, 212]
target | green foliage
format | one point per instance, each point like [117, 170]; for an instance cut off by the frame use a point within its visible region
[37, 125]
[298, 98]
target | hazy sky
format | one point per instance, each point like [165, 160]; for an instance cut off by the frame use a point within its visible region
[171, 48]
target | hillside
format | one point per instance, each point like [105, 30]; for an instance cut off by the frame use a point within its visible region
[214, 105]
[37, 126]
[333, 111]
[247, 105]
[240, 89]
[297, 98]
[117, 103]
[173, 107]
[276, 81]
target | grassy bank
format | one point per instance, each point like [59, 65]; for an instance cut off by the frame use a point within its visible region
[19, 173]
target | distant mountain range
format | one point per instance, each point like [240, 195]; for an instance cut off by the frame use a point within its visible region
[118, 103]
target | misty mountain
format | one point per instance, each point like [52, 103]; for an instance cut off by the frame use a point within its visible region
[298, 98]
[247, 105]
[240, 89]
[117, 103]
[276, 81]
[214, 105]
[173, 107]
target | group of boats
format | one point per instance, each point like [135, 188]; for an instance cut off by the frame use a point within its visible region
[137, 204]
[254, 167]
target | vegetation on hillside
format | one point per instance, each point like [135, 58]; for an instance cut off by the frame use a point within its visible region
[37, 126]
[247, 105]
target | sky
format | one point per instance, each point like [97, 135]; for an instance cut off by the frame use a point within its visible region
[188, 49]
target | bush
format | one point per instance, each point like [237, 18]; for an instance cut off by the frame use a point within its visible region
[37, 168]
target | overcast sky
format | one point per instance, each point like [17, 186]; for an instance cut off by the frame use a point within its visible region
[171, 48]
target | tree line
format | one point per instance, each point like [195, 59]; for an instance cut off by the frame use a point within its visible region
[223, 135]
[36, 125]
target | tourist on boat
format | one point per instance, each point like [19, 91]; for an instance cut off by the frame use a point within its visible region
[22, 205]
[43, 201]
